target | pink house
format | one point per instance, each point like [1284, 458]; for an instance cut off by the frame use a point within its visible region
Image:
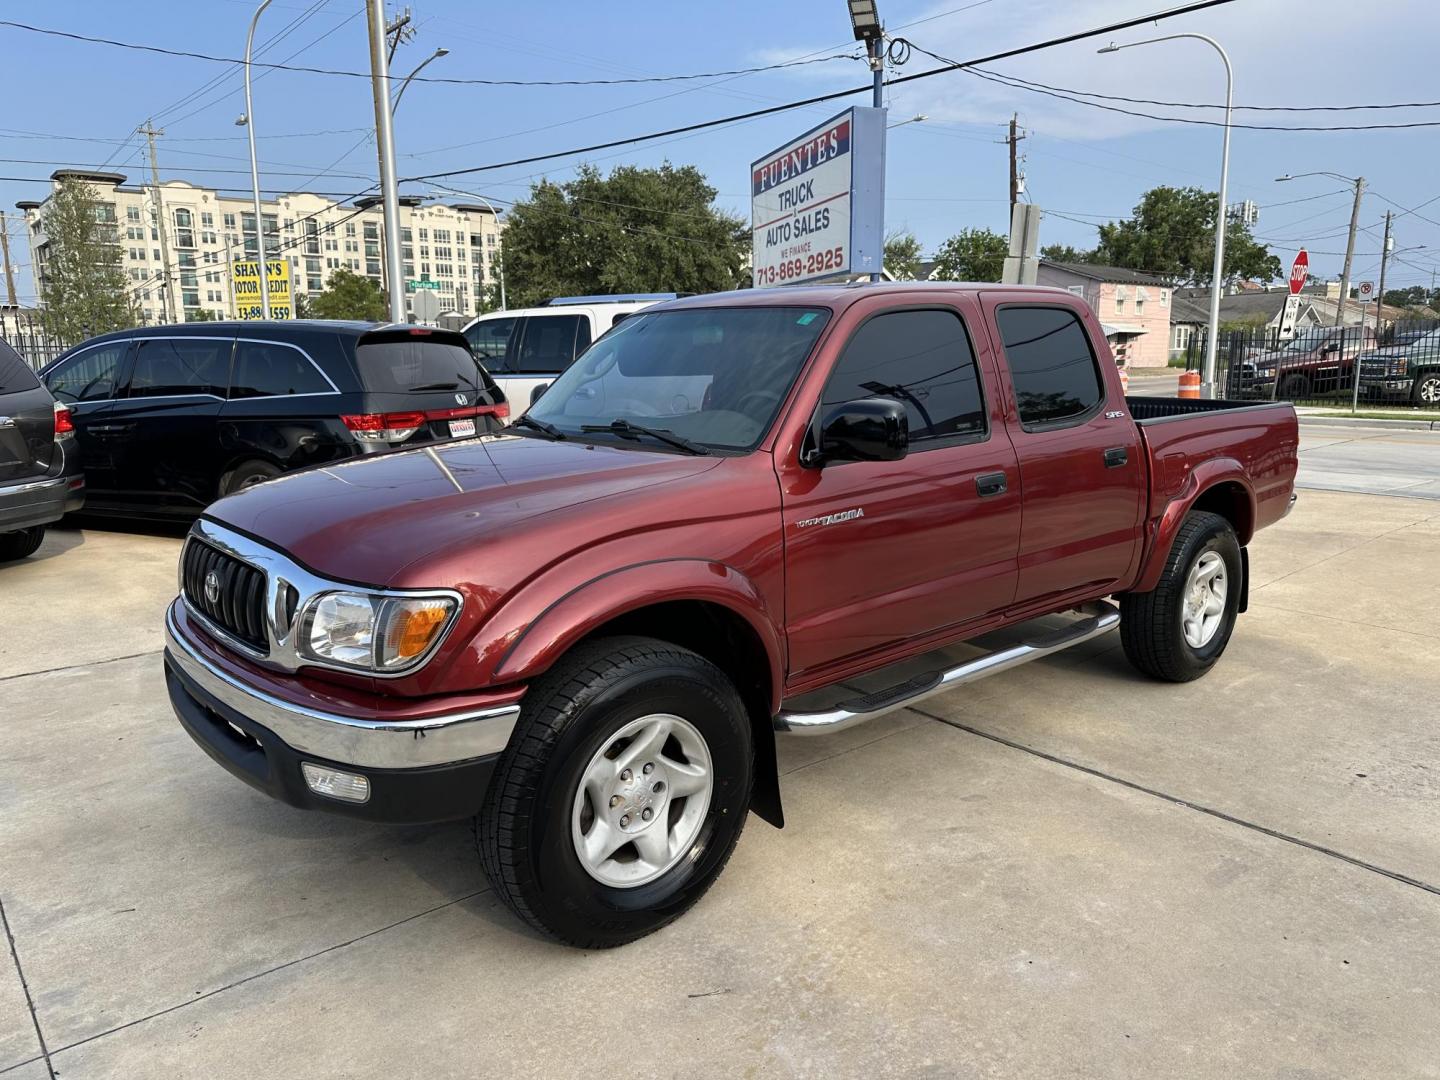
[1133, 308]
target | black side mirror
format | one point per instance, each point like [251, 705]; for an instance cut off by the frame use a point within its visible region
[870, 429]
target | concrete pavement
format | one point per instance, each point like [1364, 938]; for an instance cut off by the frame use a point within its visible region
[1375, 460]
[1063, 871]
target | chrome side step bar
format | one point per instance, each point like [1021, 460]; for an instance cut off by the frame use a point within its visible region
[1100, 617]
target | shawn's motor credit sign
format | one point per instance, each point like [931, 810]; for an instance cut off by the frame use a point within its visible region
[817, 203]
[245, 276]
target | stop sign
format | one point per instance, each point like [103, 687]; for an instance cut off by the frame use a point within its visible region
[1299, 271]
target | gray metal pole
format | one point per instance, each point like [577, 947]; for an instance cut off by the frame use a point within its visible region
[875, 47]
[254, 170]
[385, 138]
[1349, 253]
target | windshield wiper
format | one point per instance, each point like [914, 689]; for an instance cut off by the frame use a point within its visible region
[538, 425]
[435, 386]
[627, 430]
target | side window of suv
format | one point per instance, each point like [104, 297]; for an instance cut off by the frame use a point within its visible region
[1051, 363]
[180, 367]
[89, 375]
[922, 359]
[268, 369]
[490, 341]
[549, 344]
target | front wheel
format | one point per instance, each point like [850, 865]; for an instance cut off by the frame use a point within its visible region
[1178, 630]
[622, 793]
[1426, 391]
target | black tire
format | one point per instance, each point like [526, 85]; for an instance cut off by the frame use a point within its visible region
[1426, 391]
[1293, 387]
[248, 474]
[1151, 627]
[22, 544]
[524, 831]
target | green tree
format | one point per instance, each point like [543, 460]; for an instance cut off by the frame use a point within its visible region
[347, 295]
[301, 304]
[200, 315]
[83, 286]
[972, 255]
[637, 230]
[1064, 253]
[902, 255]
[1172, 235]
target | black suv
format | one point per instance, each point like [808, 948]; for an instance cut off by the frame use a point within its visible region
[169, 418]
[39, 467]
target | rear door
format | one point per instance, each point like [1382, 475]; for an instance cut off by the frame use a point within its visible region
[87, 381]
[282, 408]
[428, 380]
[1080, 469]
[164, 426]
[27, 421]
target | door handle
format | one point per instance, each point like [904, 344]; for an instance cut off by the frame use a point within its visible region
[990, 484]
[111, 429]
[1116, 456]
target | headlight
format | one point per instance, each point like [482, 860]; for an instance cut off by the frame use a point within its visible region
[1399, 365]
[375, 633]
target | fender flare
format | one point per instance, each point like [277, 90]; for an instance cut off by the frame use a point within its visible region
[1204, 477]
[586, 607]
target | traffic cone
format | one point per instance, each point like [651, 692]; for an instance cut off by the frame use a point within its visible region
[1189, 384]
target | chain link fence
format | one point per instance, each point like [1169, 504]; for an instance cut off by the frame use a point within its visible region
[1330, 366]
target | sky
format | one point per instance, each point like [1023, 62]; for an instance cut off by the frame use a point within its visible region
[79, 104]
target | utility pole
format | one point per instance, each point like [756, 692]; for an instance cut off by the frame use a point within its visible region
[1015, 137]
[149, 132]
[385, 141]
[5, 249]
[1379, 305]
[1349, 253]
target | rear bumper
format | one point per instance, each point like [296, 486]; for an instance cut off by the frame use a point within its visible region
[436, 769]
[45, 499]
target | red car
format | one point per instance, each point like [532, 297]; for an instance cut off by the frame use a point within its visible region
[585, 631]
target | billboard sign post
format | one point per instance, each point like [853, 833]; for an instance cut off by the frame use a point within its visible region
[817, 204]
[245, 275]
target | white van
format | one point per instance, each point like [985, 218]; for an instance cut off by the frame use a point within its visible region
[526, 348]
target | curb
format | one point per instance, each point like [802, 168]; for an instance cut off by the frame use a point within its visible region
[1374, 424]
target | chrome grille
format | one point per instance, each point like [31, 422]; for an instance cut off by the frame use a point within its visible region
[238, 607]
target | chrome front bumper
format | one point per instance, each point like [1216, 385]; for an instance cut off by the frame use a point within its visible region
[375, 744]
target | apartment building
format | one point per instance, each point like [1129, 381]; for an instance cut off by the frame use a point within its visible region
[456, 245]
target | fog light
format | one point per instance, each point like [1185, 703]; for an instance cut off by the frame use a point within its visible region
[334, 784]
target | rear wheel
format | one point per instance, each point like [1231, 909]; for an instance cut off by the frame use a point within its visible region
[247, 474]
[622, 793]
[1427, 389]
[22, 544]
[1178, 630]
[1293, 387]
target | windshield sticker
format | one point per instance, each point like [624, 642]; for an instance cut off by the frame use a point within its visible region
[807, 318]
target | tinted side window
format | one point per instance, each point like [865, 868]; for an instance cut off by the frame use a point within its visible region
[582, 335]
[90, 375]
[1050, 363]
[490, 341]
[922, 359]
[548, 346]
[15, 373]
[175, 366]
[265, 369]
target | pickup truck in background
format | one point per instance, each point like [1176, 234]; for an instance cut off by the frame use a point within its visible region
[587, 630]
[1317, 362]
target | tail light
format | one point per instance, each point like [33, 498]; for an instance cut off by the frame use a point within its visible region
[500, 411]
[384, 427]
[64, 423]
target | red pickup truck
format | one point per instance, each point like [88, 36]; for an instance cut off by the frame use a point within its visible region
[585, 631]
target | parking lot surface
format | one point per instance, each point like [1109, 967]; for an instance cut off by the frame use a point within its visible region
[1063, 871]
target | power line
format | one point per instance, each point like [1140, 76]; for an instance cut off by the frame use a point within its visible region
[188, 55]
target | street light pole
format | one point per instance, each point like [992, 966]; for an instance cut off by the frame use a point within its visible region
[1217, 279]
[264, 274]
[865, 21]
[385, 140]
[436, 55]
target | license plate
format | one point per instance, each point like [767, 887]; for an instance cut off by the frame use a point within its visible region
[461, 428]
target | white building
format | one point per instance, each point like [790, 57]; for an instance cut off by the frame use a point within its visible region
[455, 245]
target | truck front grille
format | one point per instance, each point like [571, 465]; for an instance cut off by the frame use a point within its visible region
[235, 598]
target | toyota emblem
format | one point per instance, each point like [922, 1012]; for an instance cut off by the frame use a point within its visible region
[212, 587]
[460, 399]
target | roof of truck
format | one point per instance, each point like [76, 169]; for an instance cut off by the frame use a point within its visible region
[843, 295]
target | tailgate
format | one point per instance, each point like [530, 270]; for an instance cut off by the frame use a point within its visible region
[431, 380]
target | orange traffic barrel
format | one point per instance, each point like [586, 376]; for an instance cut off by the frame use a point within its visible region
[1124, 381]
[1189, 384]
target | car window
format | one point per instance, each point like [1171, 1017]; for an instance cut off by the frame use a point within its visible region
[15, 373]
[490, 341]
[268, 369]
[921, 359]
[1051, 363]
[548, 345]
[89, 375]
[405, 362]
[172, 367]
[582, 336]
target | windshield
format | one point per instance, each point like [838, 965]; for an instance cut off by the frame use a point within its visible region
[714, 376]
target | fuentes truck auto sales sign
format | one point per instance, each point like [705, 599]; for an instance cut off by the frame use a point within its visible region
[817, 203]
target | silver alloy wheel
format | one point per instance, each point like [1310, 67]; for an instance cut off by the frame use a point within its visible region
[1204, 608]
[1430, 390]
[641, 801]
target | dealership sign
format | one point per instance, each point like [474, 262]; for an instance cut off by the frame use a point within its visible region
[817, 203]
[246, 278]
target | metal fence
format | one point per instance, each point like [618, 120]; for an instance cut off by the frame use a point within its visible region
[33, 337]
[1330, 367]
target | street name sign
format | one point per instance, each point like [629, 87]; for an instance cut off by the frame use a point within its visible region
[817, 204]
[413, 286]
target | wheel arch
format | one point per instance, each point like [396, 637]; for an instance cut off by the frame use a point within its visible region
[1218, 486]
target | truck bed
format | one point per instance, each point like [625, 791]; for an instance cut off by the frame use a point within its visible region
[1150, 410]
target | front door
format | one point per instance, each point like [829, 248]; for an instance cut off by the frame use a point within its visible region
[881, 553]
[164, 427]
[1080, 464]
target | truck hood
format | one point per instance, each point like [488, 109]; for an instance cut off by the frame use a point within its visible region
[366, 519]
